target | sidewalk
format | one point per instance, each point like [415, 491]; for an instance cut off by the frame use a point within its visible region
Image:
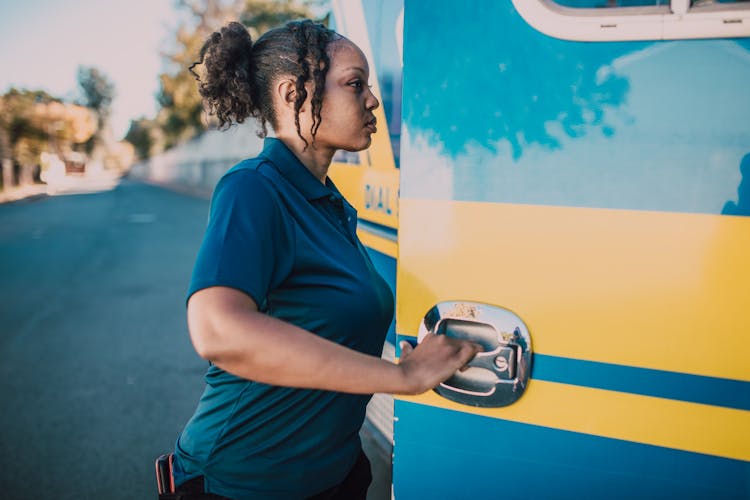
[15, 193]
[90, 182]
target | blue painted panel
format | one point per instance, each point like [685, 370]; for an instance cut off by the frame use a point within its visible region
[499, 112]
[647, 382]
[444, 454]
[659, 383]
[386, 266]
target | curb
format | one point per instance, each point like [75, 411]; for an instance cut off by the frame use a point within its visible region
[26, 194]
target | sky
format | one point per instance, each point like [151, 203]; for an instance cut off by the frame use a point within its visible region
[42, 43]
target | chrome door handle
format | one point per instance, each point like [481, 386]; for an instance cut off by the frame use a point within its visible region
[496, 376]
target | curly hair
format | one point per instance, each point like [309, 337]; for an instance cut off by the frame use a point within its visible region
[239, 74]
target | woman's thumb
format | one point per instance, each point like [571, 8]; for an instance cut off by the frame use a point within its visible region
[406, 348]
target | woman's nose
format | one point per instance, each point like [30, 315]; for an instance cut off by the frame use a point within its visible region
[372, 102]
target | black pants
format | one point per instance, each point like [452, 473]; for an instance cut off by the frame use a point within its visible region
[353, 487]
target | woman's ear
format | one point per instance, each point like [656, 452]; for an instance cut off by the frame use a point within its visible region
[286, 93]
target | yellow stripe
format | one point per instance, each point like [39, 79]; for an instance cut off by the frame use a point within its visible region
[382, 245]
[373, 192]
[657, 290]
[642, 419]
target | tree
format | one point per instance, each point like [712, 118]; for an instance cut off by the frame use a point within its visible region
[180, 111]
[33, 122]
[26, 135]
[262, 15]
[97, 94]
[140, 136]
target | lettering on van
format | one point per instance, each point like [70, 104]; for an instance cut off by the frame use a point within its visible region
[380, 199]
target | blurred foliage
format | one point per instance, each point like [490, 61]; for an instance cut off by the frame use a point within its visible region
[97, 94]
[33, 121]
[262, 15]
[181, 114]
[140, 135]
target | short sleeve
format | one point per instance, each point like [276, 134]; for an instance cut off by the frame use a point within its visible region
[248, 243]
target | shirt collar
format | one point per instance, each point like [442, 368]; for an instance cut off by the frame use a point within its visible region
[275, 151]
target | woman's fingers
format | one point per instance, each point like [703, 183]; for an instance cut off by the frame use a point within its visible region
[434, 360]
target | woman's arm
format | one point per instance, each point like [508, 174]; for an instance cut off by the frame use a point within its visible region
[227, 329]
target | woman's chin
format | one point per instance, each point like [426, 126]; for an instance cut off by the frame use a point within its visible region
[367, 142]
[360, 146]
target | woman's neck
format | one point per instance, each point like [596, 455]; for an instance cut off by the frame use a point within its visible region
[315, 159]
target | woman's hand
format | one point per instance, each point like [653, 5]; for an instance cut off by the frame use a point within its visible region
[433, 361]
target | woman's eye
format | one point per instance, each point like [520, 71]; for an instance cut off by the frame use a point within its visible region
[357, 84]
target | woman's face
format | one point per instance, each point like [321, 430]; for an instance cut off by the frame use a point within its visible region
[347, 121]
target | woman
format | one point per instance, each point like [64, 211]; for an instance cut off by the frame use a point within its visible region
[284, 301]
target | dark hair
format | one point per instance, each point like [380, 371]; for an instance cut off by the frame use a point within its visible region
[239, 74]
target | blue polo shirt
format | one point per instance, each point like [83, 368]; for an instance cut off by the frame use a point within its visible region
[278, 234]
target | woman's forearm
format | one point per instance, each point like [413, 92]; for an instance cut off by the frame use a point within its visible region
[258, 347]
[227, 329]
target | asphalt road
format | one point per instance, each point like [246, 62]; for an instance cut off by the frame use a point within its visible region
[98, 375]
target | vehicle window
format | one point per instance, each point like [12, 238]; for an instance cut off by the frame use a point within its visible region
[596, 4]
[621, 20]
[603, 4]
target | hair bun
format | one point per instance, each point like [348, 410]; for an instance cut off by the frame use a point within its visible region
[236, 38]
[226, 83]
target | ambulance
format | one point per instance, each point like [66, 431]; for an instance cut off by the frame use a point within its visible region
[566, 183]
